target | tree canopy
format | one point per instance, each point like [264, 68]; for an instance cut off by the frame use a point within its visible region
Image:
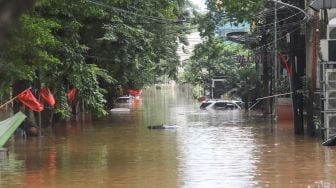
[96, 46]
[217, 56]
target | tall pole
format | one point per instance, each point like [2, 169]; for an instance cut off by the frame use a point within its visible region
[37, 86]
[275, 61]
[39, 121]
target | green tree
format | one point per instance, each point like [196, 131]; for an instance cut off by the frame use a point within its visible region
[215, 57]
[95, 46]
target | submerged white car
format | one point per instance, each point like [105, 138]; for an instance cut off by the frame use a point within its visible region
[219, 104]
[122, 104]
[125, 101]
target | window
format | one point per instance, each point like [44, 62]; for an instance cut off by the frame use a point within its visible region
[231, 106]
[123, 100]
[220, 104]
[204, 105]
[332, 34]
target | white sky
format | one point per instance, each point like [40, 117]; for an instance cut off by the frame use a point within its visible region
[200, 4]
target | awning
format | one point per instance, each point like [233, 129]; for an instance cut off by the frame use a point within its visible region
[8, 126]
[322, 4]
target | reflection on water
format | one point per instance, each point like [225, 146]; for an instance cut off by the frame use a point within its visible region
[208, 149]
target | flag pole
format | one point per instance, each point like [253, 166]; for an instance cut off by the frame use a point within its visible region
[12, 99]
[40, 120]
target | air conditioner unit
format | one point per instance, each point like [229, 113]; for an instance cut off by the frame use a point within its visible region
[324, 49]
[330, 78]
[330, 124]
[328, 49]
[330, 100]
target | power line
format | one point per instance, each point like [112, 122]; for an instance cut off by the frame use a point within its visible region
[287, 27]
[271, 43]
[292, 6]
[279, 21]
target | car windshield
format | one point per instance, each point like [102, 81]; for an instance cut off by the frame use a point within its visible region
[123, 100]
[204, 105]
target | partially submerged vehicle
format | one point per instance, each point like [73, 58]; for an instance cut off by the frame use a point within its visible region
[220, 104]
[120, 110]
[124, 101]
[122, 104]
[162, 126]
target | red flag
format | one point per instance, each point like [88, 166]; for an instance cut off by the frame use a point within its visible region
[284, 61]
[47, 96]
[134, 92]
[28, 99]
[72, 94]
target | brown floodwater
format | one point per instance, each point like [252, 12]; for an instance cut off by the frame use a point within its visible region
[207, 149]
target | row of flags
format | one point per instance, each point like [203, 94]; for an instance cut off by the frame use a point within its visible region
[28, 99]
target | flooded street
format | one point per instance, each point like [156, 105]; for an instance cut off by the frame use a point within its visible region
[207, 149]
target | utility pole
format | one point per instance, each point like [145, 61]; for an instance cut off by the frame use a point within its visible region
[298, 63]
[275, 61]
[297, 50]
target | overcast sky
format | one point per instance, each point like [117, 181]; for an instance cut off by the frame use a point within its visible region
[200, 4]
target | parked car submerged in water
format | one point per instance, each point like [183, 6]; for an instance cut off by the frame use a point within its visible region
[122, 104]
[219, 104]
[125, 101]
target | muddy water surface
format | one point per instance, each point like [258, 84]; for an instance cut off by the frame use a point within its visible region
[208, 149]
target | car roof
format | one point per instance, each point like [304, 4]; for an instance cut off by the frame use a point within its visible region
[123, 97]
[221, 100]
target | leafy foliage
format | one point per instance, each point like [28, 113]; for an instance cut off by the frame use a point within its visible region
[215, 57]
[95, 46]
[236, 11]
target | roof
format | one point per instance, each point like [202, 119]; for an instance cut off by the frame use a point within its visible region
[125, 97]
[221, 100]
